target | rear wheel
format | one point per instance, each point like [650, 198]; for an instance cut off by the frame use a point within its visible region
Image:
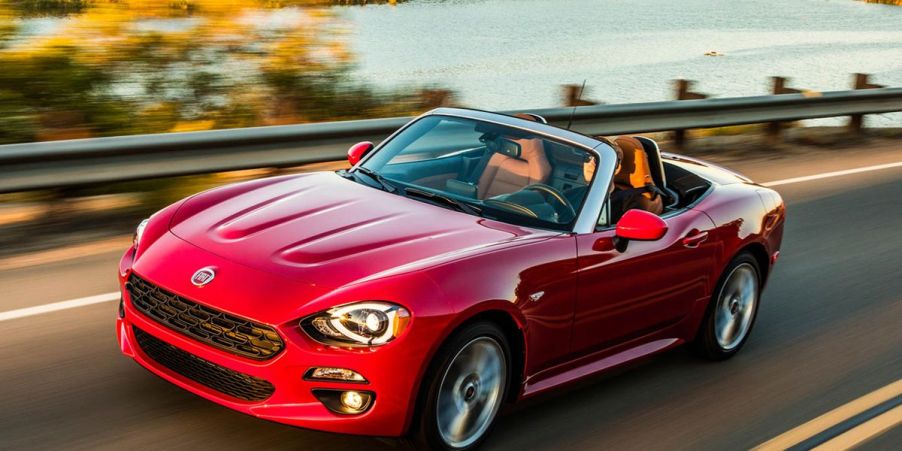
[467, 387]
[732, 310]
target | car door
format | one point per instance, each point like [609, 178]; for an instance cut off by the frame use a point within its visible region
[623, 296]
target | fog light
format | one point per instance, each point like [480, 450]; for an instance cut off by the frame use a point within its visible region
[345, 402]
[352, 400]
[121, 308]
[334, 374]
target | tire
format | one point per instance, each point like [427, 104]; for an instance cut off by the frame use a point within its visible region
[732, 311]
[454, 385]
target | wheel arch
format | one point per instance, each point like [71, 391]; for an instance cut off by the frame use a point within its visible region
[757, 250]
[759, 253]
[514, 332]
[516, 340]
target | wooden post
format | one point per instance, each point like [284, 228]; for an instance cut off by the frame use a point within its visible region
[573, 96]
[779, 87]
[59, 205]
[684, 92]
[860, 81]
[435, 98]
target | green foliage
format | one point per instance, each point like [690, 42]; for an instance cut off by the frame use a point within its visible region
[53, 79]
[17, 120]
[7, 30]
[40, 8]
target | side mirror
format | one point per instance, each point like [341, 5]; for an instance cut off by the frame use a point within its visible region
[358, 151]
[639, 225]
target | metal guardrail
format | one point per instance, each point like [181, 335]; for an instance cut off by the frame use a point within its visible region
[59, 164]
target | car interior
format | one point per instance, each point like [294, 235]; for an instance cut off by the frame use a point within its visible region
[534, 177]
[668, 187]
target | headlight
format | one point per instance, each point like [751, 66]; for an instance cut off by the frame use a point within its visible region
[138, 233]
[359, 324]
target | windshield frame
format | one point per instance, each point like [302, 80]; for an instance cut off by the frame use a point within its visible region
[587, 217]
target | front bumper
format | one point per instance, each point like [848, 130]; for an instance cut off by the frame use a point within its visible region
[393, 371]
[292, 402]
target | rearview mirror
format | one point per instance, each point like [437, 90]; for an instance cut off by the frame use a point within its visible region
[639, 225]
[358, 151]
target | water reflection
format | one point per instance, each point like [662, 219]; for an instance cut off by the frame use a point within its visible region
[512, 54]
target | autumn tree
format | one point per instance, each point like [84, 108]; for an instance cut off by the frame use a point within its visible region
[85, 68]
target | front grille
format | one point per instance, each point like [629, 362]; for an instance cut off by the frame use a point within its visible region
[222, 330]
[223, 380]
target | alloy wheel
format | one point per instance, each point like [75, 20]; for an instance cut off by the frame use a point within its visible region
[736, 306]
[471, 392]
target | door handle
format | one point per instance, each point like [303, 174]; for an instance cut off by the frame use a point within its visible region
[694, 239]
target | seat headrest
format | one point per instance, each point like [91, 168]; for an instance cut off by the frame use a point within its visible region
[634, 168]
[616, 148]
[531, 149]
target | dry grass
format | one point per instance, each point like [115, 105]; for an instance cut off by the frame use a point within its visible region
[885, 2]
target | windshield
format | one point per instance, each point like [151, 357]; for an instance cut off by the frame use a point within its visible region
[484, 169]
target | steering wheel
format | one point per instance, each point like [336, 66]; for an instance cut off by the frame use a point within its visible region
[510, 206]
[558, 197]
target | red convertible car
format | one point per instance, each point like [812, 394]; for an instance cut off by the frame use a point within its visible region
[472, 259]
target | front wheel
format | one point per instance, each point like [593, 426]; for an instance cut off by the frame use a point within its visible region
[731, 313]
[466, 389]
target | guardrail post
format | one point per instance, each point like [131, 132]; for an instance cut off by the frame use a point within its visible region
[47, 165]
[684, 92]
[860, 81]
[435, 98]
[574, 97]
[779, 87]
[58, 205]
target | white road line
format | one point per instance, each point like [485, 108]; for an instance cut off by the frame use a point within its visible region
[826, 175]
[64, 305]
[56, 306]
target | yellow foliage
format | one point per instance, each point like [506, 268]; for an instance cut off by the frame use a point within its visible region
[147, 66]
[193, 126]
[109, 28]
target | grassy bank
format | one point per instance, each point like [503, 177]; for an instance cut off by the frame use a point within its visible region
[885, 2]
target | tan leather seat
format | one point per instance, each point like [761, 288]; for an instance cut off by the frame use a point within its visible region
[635, 173]
[505, 174]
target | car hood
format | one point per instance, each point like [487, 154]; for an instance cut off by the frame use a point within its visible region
[326, 231]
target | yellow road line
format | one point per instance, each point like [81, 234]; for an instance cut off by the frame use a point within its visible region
[833, 417]
[863, 432]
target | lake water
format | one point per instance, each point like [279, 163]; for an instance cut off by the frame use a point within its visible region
[507, 54]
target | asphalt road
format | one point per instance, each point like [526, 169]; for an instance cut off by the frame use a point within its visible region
[829, 331]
